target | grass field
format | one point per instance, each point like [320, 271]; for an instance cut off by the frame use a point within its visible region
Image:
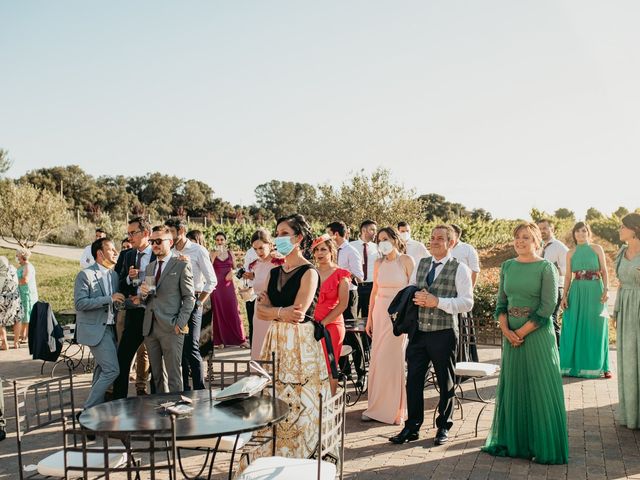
[55, 277]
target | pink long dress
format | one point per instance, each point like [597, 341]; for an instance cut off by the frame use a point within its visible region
[387, 393]
[224, 304]
[261, 270]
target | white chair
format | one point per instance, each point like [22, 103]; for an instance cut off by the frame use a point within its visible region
[40, 405]
[331, 431]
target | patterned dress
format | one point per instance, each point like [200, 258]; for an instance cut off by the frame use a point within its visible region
[10, 304]
[627, 314]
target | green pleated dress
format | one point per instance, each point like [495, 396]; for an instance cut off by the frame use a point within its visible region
[584, 339]
[530, 419]
[627, 313]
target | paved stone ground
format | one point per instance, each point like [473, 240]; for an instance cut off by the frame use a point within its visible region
[599, 448]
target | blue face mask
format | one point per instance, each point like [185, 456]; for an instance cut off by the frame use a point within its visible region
[284, 245]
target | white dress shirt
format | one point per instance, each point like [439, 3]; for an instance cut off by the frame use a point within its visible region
[556, 252]
[372, 256]
[145, 260]
[465, 253]
[249, 257]
[108, 290]
[350, 259]
[86, 259]
[204, 278]
[464, 301]
[416, 250]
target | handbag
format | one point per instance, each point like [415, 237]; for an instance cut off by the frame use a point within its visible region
[247, 386]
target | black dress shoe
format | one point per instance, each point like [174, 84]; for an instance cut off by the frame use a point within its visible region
[3, 434]
[442, 436]
[406, 435]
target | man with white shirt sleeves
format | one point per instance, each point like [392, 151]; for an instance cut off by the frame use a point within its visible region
[415, 249]
[349, 259]
[94, 294]
[446, 291]
[86, 259]
[465, 253]
[204, 280]
[368, 251]
[556, 252]
[250, 305]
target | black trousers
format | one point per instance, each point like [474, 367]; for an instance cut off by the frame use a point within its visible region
[424, 348]
[250, 306]
[364, 295]
[191, 358]
[129, 343]
[554, 316]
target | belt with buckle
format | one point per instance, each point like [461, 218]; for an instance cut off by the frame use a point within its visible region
[520, 312]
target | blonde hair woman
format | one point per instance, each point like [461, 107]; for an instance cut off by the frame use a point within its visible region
[28, 294]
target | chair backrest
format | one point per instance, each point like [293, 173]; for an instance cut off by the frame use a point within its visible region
[149, 451]
[331, 427]
[478, 331]
[224, 372]
[41, 404]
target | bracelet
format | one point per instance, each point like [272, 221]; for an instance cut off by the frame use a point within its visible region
[278, 315]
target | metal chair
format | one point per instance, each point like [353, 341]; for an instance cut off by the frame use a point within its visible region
[220, 374]
[92, 456]
[331, 432]
[40, 405]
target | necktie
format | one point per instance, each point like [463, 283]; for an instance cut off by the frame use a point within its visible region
[138, 259]
[158, 272]
[432, 273]
[365, 258]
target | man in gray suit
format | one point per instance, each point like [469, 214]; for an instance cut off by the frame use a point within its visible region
[94, 293]
[168, 310]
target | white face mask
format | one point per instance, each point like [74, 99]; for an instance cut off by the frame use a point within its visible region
[405, 236]
[385, 247]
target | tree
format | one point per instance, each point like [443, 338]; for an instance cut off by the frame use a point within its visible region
[435, 206]
[193, 196]
[593, 214]
[284, 198]
[565, 214]
[362, 197]
[28, 214]
[116, 199]
[5, 161]
[156, 191]
[621, 212]
[537, 215]
[480, 214]
[74, 184]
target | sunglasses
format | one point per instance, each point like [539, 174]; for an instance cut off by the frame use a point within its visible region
[158, 241]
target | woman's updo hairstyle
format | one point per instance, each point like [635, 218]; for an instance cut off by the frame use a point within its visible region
[299, 225]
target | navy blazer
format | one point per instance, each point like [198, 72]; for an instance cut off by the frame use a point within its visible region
[404, 313]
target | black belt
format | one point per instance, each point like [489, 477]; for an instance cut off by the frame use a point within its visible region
[365, 283]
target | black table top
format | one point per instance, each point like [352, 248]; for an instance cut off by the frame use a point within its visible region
[209, 418]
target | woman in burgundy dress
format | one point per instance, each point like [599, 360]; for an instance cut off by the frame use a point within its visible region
[333, 298]
[224, 303]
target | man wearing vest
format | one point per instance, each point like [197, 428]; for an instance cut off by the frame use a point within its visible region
[445, 291]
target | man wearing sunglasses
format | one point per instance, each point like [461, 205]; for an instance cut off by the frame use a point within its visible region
[169, 295]
[135, 261]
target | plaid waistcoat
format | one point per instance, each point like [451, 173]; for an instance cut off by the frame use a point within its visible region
[444, 286]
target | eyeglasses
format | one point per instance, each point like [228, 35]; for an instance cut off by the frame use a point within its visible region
[131, 234]
[158, 241]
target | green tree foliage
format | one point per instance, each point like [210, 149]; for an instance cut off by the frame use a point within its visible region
[28, 214]
[621, 212]
[78, 188]
[5, 162]
[593, 214]
[435, 206]
[115, 197]
[607, 228]
[364, 196]
[565, 214]
[282, 198]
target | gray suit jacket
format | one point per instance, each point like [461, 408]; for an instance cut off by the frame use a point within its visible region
[174, 299]
[92, 304]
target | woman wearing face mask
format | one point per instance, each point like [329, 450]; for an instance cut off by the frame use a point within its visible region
[530, 420]
[227, 325]
[392, 272]
[333, 299]
[291, 296]
[584, 340]
[259, 271]
[627, 317]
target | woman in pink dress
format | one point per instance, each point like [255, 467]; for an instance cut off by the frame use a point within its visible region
[224, 302]
[259, 271]
[333, 299]
[387, 394]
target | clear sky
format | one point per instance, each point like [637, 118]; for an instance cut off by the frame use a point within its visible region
[499, 104]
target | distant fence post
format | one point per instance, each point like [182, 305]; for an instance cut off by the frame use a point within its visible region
[78, 216]
[205, 222]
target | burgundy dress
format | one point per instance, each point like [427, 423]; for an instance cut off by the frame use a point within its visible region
[224, 305]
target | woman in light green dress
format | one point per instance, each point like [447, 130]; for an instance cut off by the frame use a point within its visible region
[584, 341]
[28, 293]
[530, 419]
[627, 316]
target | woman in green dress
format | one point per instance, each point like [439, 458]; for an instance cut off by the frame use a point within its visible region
[530, 419]
[627, 316]
[28, 294]
[584, 341]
